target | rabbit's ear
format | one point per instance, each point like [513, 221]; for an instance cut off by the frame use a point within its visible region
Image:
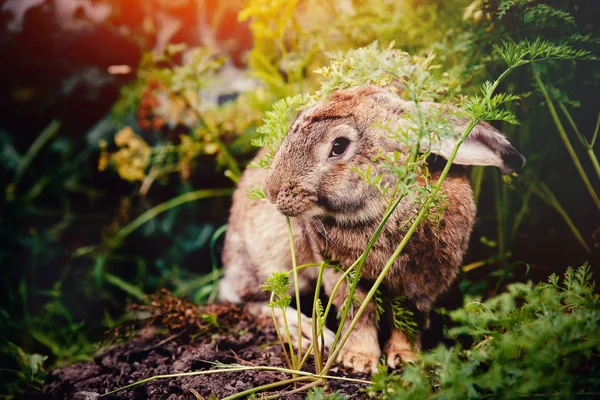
[484, 146]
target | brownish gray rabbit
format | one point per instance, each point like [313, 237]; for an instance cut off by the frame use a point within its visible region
[334, 213]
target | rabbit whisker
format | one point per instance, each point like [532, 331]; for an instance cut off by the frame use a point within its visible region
[321, 228]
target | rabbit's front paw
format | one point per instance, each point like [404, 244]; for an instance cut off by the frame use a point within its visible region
[361, 352]
[398, 349]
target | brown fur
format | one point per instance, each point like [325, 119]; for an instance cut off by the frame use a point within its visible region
[334, 213]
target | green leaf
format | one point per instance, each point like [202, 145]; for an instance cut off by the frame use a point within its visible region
[127, 287]
[525, 52]
[256, 194]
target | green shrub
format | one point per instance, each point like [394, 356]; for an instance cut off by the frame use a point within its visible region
[534, 340]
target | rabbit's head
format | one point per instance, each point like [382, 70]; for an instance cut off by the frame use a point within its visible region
[312, 173]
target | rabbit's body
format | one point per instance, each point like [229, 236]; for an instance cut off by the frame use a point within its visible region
[334, 213]
[428, 264]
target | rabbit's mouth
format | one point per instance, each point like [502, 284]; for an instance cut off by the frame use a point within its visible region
[309, 210]
[294, 205]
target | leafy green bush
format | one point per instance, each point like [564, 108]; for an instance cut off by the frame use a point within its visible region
[531, 341]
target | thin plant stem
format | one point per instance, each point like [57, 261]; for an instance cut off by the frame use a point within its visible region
[235, 173]
[285, 353]
[308, 265]
[518, 219]
[474, 265]
[249, 392]
[167, 205]
[198, 283]
[337, 286]
[44, 137]
[332, 295]
[500, 218]
[301, 389]
[291, 360]
[476, 182]
[589, 146]
[316, 321]
[125, 286]
[213, 258]
[281, 341]
[544, 193]
[289, 338]
[306, 356]
[178, 375]
[296, 287]
[595, 135]
[569, 118]
[594, 161]
[237, 368]
[321, 328]
[565, 139]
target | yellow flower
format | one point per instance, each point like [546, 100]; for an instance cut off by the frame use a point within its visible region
[133, 157]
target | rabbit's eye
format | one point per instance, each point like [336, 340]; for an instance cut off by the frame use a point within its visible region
[339, 147]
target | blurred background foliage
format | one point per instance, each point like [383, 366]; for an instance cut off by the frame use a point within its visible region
[127, 123]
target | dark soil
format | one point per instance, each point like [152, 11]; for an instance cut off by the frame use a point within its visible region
[243, 342]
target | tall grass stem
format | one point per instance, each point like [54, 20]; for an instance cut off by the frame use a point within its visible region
[296, 287]
[565, 139]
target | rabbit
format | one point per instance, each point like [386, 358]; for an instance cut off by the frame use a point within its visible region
[334, 212]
